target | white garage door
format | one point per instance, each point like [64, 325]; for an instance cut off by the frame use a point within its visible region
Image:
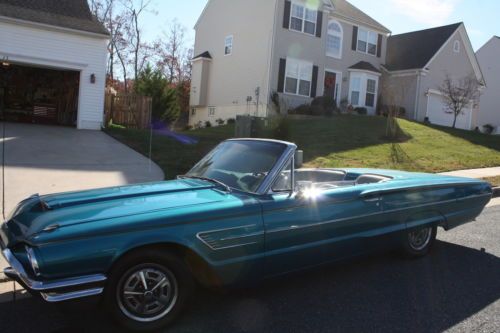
[439, 114]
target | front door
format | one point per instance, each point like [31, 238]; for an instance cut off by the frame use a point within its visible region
[331, 85]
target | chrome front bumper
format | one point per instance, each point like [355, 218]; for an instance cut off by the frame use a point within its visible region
[55, 290]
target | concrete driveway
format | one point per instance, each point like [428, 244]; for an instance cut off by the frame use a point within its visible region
[49, 159]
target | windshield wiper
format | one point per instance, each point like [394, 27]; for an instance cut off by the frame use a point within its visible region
[215, 181]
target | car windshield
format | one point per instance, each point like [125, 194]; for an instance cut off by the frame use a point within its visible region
[241, 165]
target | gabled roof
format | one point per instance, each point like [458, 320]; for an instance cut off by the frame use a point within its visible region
[413, 50]
[364, 66]
[71, 14]
[349, 12]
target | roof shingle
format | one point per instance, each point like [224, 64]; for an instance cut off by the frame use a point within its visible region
[72, 14]
[365, 66]
[413, 50]
[348, 11]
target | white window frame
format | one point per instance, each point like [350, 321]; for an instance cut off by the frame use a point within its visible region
[363, 77]
[303, 18]
[456, 46]
[367, 41]
[335, 34]
[211, 111]
[301, 65]
[228, 44]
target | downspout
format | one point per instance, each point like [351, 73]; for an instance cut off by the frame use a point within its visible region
[417, 99]
[271, 57]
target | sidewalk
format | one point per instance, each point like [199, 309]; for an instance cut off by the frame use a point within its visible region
[475, 173]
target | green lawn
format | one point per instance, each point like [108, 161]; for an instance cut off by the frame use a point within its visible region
[341, 141]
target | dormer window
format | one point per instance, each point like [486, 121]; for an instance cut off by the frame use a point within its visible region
[303, 19]
[334, 40]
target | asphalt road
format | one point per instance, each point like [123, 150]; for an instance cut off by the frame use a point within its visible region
[456, 288]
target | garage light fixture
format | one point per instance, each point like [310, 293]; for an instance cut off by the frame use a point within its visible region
[6, 64]
[92, 78]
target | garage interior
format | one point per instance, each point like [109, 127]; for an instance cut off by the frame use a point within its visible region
[38, 95]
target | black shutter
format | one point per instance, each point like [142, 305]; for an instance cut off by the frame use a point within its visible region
[379, 46]
[286, 17]
[354, 38]
[281, 75]
[314, 83]
[319, 24]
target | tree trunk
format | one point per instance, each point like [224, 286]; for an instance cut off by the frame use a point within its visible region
[455, 120]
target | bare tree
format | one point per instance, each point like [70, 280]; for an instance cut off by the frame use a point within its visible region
[174, 59]
[139, 51]
[459, 93]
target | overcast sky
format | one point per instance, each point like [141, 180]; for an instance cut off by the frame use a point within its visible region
[481, 17]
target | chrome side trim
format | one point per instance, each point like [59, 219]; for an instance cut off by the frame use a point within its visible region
[17, 270]
[312, 225]
[217, 248]
[54, 297]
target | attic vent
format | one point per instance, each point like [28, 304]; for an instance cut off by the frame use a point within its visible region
[456, 46]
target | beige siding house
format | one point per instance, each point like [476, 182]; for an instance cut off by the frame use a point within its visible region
[489, 59]
[332, 48]
[418, 62]
[296, 50]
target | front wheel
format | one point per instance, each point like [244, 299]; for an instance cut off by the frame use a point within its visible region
[147, 290]
[418, 241]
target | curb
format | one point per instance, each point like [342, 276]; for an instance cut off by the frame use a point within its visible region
[496, 192]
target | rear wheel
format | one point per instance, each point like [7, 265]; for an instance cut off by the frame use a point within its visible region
[147, 290]
[418, 241]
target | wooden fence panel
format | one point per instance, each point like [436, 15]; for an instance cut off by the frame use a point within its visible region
[131, 111]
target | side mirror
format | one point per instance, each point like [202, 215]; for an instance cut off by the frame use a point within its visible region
[299, 158]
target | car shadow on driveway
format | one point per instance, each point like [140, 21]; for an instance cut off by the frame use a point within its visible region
[375, 294]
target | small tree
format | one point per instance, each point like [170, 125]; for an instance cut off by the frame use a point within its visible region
[458, 94]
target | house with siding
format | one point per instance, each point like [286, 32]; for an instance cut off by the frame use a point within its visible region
[489, 59]
[301, 51]
[53, 56]
[416, 65]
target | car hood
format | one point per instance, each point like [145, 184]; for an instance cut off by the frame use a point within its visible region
[39, 214]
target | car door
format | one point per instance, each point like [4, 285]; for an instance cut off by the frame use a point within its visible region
[305, 231]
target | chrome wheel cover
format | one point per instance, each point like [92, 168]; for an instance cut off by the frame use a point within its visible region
[420, 238]
[147, 293]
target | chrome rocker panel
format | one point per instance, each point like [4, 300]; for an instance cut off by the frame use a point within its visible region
[50, 291]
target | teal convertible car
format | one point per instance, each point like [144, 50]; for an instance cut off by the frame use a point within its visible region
[247, 211]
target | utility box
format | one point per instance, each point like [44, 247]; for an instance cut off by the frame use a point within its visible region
[249, 126]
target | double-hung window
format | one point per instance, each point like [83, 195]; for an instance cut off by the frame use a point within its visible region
[228, 45]
[371, 86]
[298, 77]
[355, 90]
[367, 41]
[303, 19]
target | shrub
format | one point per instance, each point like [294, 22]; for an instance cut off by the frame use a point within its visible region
[281, 129]
[231, 121]
[302, 109]
[488, 128]
[188, 127]
[317, 110]
[208, 123]
[220, 121]
[361, 111]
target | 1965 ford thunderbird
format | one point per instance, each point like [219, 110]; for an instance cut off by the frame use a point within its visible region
[245, 212]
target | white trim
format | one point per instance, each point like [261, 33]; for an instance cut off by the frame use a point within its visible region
[338, 74]
[50, 63]
[51, 27]
[300, 63]
[202, 14]
[417, 96]
[330, 21]
[406, 72]
[364, 77]
[364, 71]
[201, 58]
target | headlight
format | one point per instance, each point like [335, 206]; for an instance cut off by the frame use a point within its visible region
[33, 261]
